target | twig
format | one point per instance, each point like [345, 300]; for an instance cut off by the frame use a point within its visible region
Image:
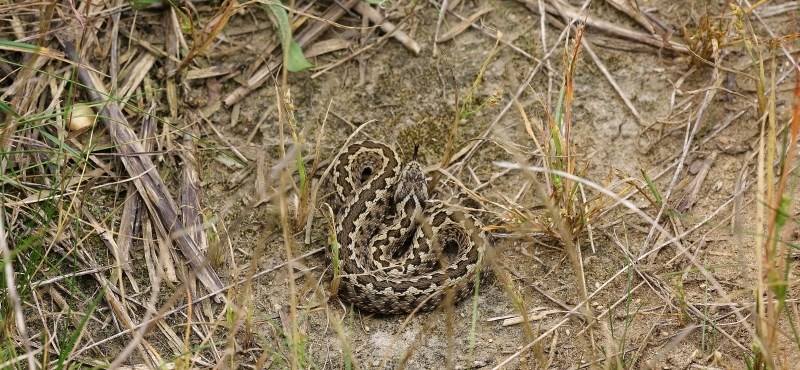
[437, 32]
[614, 29]
[194, 301]
[588, 47]
[390, 28]
[492, 35]
[309, 34]
[691, 131]
[635, 14]
[465, 23]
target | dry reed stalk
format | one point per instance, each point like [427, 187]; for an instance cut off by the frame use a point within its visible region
[173, 37]
[148, 182]
[129, 224]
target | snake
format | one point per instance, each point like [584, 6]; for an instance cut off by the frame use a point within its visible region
[397, 250]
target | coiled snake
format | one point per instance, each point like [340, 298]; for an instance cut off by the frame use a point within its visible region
[399, 249]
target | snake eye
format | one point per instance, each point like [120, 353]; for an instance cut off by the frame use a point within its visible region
[451, 250]
[366, 172]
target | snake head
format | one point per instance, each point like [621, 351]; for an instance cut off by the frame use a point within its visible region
[411, 183]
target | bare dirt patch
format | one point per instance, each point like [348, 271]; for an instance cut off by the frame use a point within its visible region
[676, 295]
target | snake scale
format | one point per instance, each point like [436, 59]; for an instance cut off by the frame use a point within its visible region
[399, 250]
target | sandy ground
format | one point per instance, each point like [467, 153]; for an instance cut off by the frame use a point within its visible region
[661, 311]
[408, 100]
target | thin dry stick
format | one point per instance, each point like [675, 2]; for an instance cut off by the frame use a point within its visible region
[11, 288]
[140, 333]
[337, 327]
[114, 52]
[185, 305]
[313, 30]
[691, 131]
[465, 23]
[380, 41]
[627, 8]
[664, 294]
[190, 194]
[438, 30]
[674, 240]
[132, 209]
[193, 219]
[467, 152]
[111, 293]
[614, 29]
[738, 220]
[108, 239]
[449, 145]
[174, 39]
[390, 28]
[148, 46]
[649, 281]
[490, 34]
[11, 362]
[150, 185]
[588, 47]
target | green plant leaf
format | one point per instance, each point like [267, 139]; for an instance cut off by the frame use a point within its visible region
[295, 60]
[185, 21]
[653, 189]
[17, 46]
[142, 4]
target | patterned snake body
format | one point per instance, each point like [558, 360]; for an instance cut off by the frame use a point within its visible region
[399, 250]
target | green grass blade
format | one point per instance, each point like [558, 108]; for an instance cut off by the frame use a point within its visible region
[67, 349]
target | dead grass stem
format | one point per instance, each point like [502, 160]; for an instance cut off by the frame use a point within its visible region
[88, 219]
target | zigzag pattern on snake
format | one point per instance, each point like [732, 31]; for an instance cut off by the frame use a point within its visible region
[399, 250]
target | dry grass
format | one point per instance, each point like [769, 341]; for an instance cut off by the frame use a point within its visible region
[119, 251]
